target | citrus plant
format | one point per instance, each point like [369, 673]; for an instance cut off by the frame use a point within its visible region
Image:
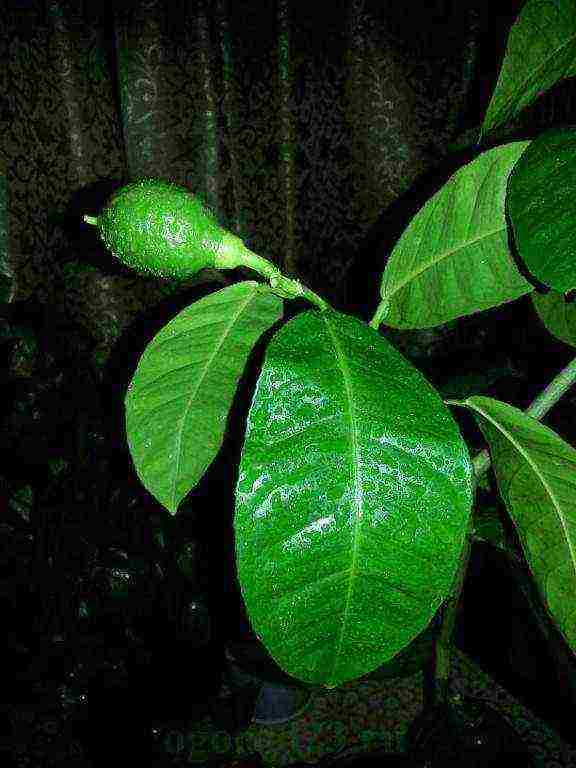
[355, 491]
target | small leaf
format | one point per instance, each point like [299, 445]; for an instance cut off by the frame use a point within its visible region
[453, 258]
[540, 202]
[558, 315]
[536, 470]
[184, 385]
[541, 51]
[353, 500]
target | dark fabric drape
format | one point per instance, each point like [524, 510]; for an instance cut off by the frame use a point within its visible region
[299, 122]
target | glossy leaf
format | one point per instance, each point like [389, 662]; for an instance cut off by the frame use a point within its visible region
[352, 503]
[178, 401]
[541, 200]
[536, 470]
[557, 314]
[541, 51]
[453, 258]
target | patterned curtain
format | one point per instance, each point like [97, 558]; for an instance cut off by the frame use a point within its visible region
[299, 122]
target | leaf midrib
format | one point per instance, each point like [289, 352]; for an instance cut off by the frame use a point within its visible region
[358, 492]
[437, 259]
[194, 392]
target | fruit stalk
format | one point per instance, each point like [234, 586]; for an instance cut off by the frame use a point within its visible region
[286, 287]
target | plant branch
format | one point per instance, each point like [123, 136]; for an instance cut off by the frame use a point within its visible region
[443, 647]
[546, 400]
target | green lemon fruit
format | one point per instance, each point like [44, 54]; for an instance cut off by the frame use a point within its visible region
[160, 228]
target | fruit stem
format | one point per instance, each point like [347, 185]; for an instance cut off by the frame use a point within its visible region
[91, 220]
[233, 253]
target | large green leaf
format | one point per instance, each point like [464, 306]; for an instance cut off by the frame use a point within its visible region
[180, 395]
[557, 314]
[453, 258]
[541, 50]
[352, 503]
[540, 202]
[536, 474]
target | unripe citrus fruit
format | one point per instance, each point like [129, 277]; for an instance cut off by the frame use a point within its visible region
[160, 228]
